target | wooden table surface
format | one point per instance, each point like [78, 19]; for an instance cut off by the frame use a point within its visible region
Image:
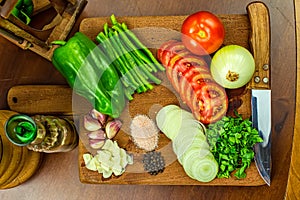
[58, 177]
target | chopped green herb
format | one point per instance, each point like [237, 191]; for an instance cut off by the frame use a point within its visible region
[231, 141]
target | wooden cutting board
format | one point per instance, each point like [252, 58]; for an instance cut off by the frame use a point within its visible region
[152, 30]
[17, 164]
[44, 99]
[60, 99]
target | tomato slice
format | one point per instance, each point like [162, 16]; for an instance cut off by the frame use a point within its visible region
[190, 60]
[188, 85]
[210, 103]
[193, 60]
[184, 90]
[180, 55]
[172, 50]
[172, 74]
[173, 78]
[197, 80]
[191, 78]
[169, 72]
[195, 70]
[163, 47]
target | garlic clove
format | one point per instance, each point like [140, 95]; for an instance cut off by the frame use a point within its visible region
[98, 134]
[130, 159]
[107, 174]
[112, 128]
[96, 143]
[102, 118]
[89, 162]
[91, 124]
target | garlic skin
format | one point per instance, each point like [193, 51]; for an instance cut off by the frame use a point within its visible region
[98, 134]
[96, 143]
[102, 118]
[91, 124]
[112, 128]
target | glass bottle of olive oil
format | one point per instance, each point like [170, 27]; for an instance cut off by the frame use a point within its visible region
[20, 129]
[40, 133]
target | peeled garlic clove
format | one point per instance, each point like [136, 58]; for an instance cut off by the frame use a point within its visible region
[117, 170]
[96, 143]
[102, 118]
[107, 174]
[88, 161]
[91, 124]
[112, 128]
[98, 134]
[108, 145]
[130, 159]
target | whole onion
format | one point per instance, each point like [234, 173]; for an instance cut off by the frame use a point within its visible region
[232, 66]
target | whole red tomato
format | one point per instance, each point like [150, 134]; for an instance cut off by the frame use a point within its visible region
[202, 33]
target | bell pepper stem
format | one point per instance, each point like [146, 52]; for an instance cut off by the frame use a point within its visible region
[59, 42]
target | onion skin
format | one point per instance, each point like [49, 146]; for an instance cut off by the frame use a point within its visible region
[232, 66]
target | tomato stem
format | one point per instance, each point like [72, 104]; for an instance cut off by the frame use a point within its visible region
[202, 34]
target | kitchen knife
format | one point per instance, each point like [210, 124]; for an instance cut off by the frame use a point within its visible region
[261, 87]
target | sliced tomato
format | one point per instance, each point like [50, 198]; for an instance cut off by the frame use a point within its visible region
[197, 80]
[193, 60]
[171, 51]
[178, 56]
[210, 103]
[195, 70]
[163, 47]
[191, 78]
[172, 74]
[178, 71]
[189, 85]
[169, 72]
[184, 90]
[173, 78]
[183, 64]
[188, 92]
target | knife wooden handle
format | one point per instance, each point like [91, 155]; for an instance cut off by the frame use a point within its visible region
[260, 44]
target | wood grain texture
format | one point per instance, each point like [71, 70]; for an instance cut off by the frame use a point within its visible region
[38, 39]
[260, 44]
[17, 164]
[57, 178]
[39, 99]
[153, 32]
[293, 190]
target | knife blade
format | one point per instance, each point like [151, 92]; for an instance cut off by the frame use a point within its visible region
[261, 119]
[260, 86]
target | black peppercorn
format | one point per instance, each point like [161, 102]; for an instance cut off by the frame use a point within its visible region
[153, 162]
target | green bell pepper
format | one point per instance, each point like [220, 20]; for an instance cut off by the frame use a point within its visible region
[88, 72]
[23, 10]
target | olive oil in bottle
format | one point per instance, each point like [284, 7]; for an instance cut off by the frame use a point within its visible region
[48, 134]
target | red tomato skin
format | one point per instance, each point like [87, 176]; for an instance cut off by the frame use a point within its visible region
[170, 51]
[207, 108]
[202, 33]
[163, 47]
[190, 76]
